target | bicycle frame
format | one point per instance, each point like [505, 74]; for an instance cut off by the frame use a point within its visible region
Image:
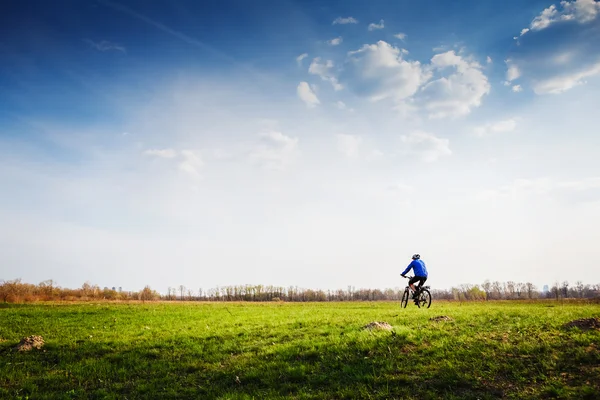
[421, 295]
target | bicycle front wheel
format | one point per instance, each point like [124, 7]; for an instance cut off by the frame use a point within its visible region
[404, 300]
[424, 300]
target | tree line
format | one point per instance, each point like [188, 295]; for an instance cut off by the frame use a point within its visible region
[16, 291]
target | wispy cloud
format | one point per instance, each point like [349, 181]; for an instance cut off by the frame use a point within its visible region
[275, 151]
[508, 125]
[512, 72]
[191, 163]
[564, 82]
[344, 21]
[183, 37]
[323, 70]
[158, 25]
[373, 26]
[581, 11]
[105, 45]
[307, 95]
[579, 190]
[517, 88]
[161, 153]
[340, 105]
[301, 57]
[572, 29]
[426, 146]
[335, 41]
[401, 36]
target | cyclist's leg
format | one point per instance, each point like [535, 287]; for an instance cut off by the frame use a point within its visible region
[411, 282]
[421, 281]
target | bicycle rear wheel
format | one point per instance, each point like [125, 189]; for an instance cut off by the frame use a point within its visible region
[424, 300]
[404, 300]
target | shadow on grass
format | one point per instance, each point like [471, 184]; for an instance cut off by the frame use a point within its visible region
[383, 366]
[380, 365]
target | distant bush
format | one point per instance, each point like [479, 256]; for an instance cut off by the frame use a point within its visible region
[17, 292]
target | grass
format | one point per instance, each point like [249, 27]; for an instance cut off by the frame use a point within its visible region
[304, 351]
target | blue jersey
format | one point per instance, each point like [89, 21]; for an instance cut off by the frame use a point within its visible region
[418, 266]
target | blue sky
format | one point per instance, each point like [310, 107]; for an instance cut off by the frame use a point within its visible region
[317, 144]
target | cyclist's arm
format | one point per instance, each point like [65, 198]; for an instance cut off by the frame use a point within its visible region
[407, 269]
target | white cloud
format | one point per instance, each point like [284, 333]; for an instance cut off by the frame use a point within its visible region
[562, 83]
[373, 26]
[276, 150]
[306, 94]
[580, 11]
[563, 58]
[301, 57]
[335, 41]
[454, 95]
[508, 125]
[320, 69]
[401, 36]
[323, 70]
[349, 145]
[191, 163]
[559, 49]
[105, 45]
[378, 72]
[162, 153]
[513, 72]
[426, 146]
[488, 59]
[544, 19]
[517, 88]
[344, 21]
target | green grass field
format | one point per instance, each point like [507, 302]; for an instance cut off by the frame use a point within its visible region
[311, 350]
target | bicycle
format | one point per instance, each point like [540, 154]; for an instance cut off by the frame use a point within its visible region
[422, 297]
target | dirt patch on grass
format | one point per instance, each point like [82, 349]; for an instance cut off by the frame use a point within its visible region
[378, 325]
[30, 342]
[440, 318]
[584, 323]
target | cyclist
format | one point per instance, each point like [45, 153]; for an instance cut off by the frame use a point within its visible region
[418, 266]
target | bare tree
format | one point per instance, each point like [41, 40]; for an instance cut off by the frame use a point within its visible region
[565, 289]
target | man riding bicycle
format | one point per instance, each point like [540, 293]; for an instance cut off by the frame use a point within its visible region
[418, 266]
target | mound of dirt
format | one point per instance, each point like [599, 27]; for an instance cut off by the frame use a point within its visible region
[31, 342]
[584, 323]
[441, 318]
[378, 325]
